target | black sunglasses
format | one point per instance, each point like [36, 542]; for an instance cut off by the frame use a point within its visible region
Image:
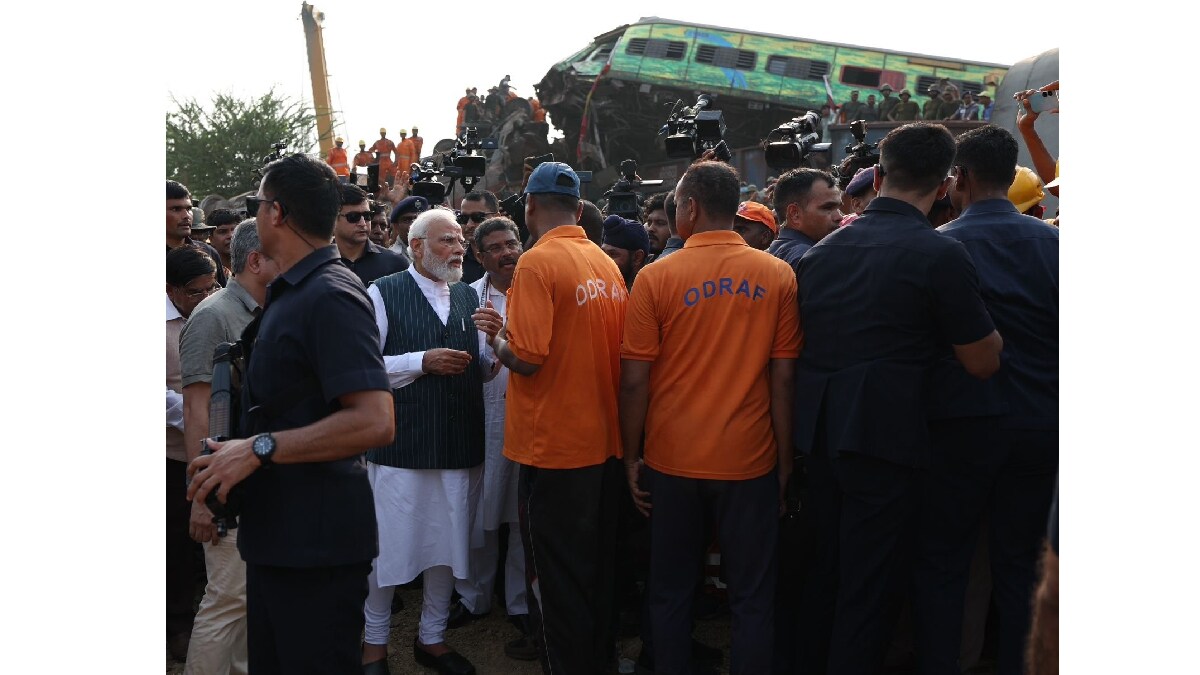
[252, 204]
[355, 216]
[476, 217]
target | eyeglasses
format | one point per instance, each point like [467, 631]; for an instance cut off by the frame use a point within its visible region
[252, 204]
[497, 249]
[355, 216]
[477, 217]
[192, 293]
[448, 240]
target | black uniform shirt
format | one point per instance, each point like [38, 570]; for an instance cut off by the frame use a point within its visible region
[316, 340]
[879, 301]
[376, 261]
[790, 246]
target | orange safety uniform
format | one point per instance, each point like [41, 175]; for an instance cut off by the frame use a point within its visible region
[462, 110]
[406, 155]
[363, 159]
[566, 311]
[337, 160]
[715, 291]
[417, 142]
[538, 112]
[385, 147]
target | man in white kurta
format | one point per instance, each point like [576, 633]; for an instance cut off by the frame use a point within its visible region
[497, 248]
[427, 513]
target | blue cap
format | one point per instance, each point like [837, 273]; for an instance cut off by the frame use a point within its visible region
[624, 233]
[862, 181]
[553, 178]
[412, 204]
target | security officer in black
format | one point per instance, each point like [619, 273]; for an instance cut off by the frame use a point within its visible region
[316, 396]
[879, 300]
[995, 442]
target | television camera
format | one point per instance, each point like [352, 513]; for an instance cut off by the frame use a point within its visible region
[692, 131]
[793, 141]
[622, 197]
[859, 155]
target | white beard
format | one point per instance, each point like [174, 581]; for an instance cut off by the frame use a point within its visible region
[442, 269]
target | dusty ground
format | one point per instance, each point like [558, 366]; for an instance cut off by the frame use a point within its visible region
[482, 642]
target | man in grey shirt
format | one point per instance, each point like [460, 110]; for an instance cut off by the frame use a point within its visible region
[218, 641]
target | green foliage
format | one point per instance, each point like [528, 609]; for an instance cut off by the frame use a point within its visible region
[215, 148]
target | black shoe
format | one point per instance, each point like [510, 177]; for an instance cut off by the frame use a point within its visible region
[461, 616]
[521, 649]
[450, 663]
[521, 622]
[703, 653]
[379, 667]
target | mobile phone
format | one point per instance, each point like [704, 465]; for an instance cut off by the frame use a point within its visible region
[1042, 101]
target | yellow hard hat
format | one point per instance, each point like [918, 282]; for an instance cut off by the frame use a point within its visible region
[404, 132]
[1026, 189]
[382, 130]
[338, 140]
[362, 143]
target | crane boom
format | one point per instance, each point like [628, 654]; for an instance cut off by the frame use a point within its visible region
[322, 105]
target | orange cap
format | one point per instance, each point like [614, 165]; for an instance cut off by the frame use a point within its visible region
[758, 213]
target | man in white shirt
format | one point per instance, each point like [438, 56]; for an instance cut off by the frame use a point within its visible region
[427, 482]
[497, 247]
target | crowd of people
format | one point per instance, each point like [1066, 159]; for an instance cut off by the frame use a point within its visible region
[845, 386]
[945, 103]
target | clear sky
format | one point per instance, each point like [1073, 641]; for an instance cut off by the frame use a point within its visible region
[395, 65]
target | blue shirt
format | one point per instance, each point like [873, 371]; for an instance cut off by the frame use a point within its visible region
[1016, 257]
[314, 341]
[790, 246]
[880, 301]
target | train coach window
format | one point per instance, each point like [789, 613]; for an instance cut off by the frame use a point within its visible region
[862, 77]
[803, 69]
[657, 49]
[726, 57]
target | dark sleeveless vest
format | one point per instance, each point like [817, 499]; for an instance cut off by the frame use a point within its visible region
[439, 418]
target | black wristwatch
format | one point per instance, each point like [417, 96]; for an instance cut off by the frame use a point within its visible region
[264, 448]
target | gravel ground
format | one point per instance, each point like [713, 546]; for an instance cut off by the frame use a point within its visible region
[482, 642]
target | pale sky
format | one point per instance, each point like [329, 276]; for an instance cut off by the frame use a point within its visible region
[387, 68]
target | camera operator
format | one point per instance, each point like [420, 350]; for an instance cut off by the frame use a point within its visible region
[219, 632]
[315, 397]
[352, 234]
[807, 209]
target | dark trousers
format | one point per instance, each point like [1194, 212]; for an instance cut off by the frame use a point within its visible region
[862, 510]
[980, 469]
[746, 514]
[305, 620]
[568, 527]
[181, 553]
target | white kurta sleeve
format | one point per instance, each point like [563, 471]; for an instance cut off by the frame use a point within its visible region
[174, 409]
[402, 369]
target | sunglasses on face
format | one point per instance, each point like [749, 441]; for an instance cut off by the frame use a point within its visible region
[355, 216]
[476, 217]
[253, 203]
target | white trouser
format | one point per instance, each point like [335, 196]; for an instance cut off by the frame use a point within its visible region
[435, 607]
[476, 592]
[218, 643]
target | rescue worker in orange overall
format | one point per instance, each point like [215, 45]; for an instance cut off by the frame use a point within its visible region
[462, 108]
[337, 160]
[384, 149]
[363, 158]
[537, 112]
[406, 152]
[417, 142]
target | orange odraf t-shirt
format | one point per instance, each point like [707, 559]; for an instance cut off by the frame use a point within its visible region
[566, 311]
[711, 317]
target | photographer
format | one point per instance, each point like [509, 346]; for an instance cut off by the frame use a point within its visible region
[1043, 162]
[364, 257]
[315, 397]
[219, 632]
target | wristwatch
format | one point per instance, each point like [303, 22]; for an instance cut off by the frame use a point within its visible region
[264, 448]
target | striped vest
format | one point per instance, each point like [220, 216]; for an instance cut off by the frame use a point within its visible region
[439, 418]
